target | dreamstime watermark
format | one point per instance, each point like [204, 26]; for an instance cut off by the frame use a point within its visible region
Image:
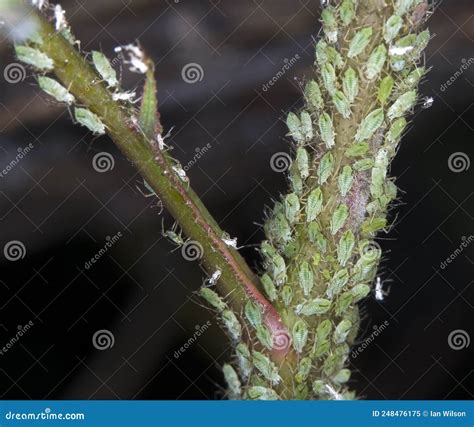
[14, 73]
[280, 162]
[22, 330]
[370, 339]
[47, 414]
[103, 162]
[459, 339]
[192, 73]
[103, 339]
[459, 162]
[192, 250]
[200, 153]
[465, 64]
[466, 241]
[14, 250]
[22, 153]
[199, 330]
[110, 241]
[288, 64]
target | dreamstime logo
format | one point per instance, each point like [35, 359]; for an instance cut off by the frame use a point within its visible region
[192, 73]
[14, 73]
[466, 241]
[280, 162]
[200, 152]
[14, 250]
[288, 64]
[370, 251]
[103, 162]
[459, 162]
[21, 330]
[199, 330]
[459, 339]
[370, 339]
[110, 241]
[465, 64]
[192, 250]
[22, 152]
[103, 339]
[281, 340]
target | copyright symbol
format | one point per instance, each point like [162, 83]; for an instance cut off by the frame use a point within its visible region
[425, 413]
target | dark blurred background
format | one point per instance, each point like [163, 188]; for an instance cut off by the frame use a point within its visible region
[57, 210]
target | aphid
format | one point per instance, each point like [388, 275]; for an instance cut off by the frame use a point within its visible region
[402, 105]
[346, 12]
[329, 24]
[125, 96]
[342, 104]
[173, 235]
[326, 129]
[90, 120]
[292, 207]
[286, 295]
[345, 247]
[337, 282]
[328, 76]
[314, 204]
[359, 42]
[385, 89]
[369, 125]
[341, 331]
[373, 225]
[55, 89]
[357, 150]
[306, 125]
[343, 302]
[342, 376]
[295, 180]
[294, 126]
[262, 393]
[136, 58]
[360, 292]
[344, 180]
[232, 325]
[40, 4]
[214, 277]
[350, 84]
[379, 173]
[232, 380]
[392, 27]
[269, 287]
[379, 292]
[304, 367]
[402, 6]
[376, 62]
[419, 13]
[316, 306]
[397, 63]
[104, 68]
[323, 330]
[213, 299]
[339, 218]
[59, 18]
[278, 269]
[332, 364]
[412, 80]
[231, 242]
[427, 102]
[334, 57]
[34, 57]
[399, 51]
[178, 170]
[396, 129]
[325, 168]
[264, 336]
[306, 277]
[299, 335]
[253, 313]
[321, 53]
[244, 360]
[313, 95]
[302, 162]
[279, 229]
[363, 165]
[403, 46]
[266, 367]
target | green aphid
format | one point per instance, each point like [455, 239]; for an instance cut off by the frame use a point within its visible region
[404, 45]
[334, 57]
[322, 347]
[306, 277]
[90, 120]
[342, 376]
[292, 207]
[376, 62]
[422, 40]
[299, 335]
[34, 57]
[295, 179]
[342, 104]
[314, 204]
[320, 388]
[262, 393]
[379, 173]
[269, 287]
[294, 126]
[287, 295]
[359, 42]
[390, 190]
[360, 291]
[232, 325]
[372, 225]
[104, 68]
[304, 367]
[328, 76]
[392, 27]
[306, 126]
[278, 269]
[278, 229]
[350, 84]
[365, 269]
[313, 307]
[341, 331]
[267, 250]
[266, 367]
[336, 284]
[412, 80]
[321, 242]
[369, 125]
[357, 150]
[213, 299]
[321, 53]
[302, 162]
[326, 129]
[346, 12]
[313, 95]
[343, 302]
[385, 89]
[265, 337]
[313, 230]
[328, 18]
[56, 90]
[404, 103]
[253, 313]
[325, 167]
[291, 249]
[233, 382]
[344, 180]
[345, 247]
[244, 360]
[403, 6]
[323, 330]
[363, 165]
[339, 218]
[397, 63]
